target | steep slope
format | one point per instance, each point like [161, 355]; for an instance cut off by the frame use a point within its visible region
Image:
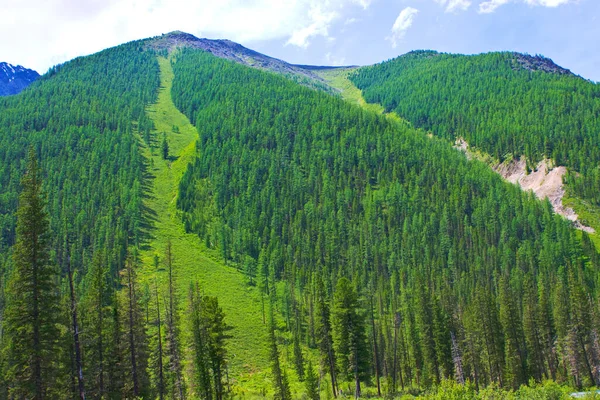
[307, 189]
[380, 249]
[13, 79]
[507, 105]
[193, 262]
[79, 118]
[229, 50]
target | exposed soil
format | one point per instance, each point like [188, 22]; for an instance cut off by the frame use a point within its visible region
[546, 181]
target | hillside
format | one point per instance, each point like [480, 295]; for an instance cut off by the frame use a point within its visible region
[330, 191]
[13, 79]
[507, 105]
[222, 48]
[203, 227]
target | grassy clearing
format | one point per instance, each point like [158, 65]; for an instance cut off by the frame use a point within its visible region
[338, 79]
[588, 216]
[193, 261]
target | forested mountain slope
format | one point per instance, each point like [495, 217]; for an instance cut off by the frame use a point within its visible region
[505, 104]
[222, 48]
[332, 242]
[328, 191]
[79, 118]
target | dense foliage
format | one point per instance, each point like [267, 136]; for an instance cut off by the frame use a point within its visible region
[499, 102]
[80, 118]
[396, 260]
[458, 274]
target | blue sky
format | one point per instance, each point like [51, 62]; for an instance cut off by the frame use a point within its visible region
[41, 33]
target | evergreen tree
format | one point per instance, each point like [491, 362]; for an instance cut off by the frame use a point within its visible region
[323, 333]
[311, 382]
[165, 147]
[515, 373]
[31, 316]
[174, 345]
[213, 319]
[349, 337]
[135, 340]
[280, 384]
[201, 383]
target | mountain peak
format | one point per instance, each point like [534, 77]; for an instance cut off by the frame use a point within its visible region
[224, 48]
[14, 78]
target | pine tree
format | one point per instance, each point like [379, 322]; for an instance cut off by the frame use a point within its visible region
[199, 342]
[323, 333]
[135, 339]
[216, 329]
[165, 147]
[158, 356]
[280, 384]
[349, 335]
[173, 348]
[32, 310]
[531, 329]
[515, 373]
[311, 382]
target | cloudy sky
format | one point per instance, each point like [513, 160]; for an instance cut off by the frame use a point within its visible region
[41, 33]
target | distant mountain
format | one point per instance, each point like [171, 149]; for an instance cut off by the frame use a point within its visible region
[13, 78]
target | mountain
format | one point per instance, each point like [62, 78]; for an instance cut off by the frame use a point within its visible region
[235, 52]
[216, 229]
[509, 106]
[14, 79]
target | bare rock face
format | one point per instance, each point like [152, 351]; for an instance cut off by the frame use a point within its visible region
[546, 181]
[232, 51]
[14, 79]
[540, 63]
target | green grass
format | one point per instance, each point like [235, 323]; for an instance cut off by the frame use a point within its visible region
[589, 215]
[338, 79]
[193, 262]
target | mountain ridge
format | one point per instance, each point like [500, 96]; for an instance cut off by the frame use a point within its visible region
[230, 50]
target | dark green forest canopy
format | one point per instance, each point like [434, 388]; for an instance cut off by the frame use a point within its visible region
[303, 184]
[80, 118]
[501, 103]
[300, 189]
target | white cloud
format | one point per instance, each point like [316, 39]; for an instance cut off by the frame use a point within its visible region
[319, 26]
[454, 5]
[403, 22]
[491, 5]
[334, 60]
[40, 33]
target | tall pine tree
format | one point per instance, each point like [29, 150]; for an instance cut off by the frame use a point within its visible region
[32, 311]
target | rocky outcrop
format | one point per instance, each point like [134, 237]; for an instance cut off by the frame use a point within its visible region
[546, 181]
[539, 63]
[235, 52]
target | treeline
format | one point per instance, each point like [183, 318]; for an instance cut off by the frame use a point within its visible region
[399, 260]
[117, 340]
[498, 106]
